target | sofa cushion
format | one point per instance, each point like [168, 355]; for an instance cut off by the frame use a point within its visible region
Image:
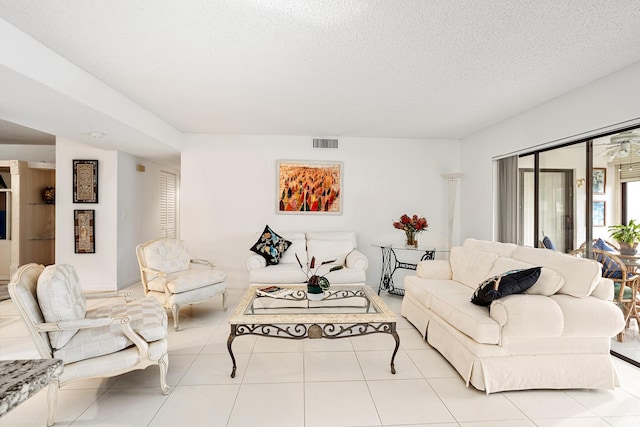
[184, 281]
[271, 246]
[434, 269]
[547, 284]
[581, 275]
[507, 283]
[282, 273]
[148, 319]
[60, 298]
[328, 250]
[298, 246]
[470, 266]
[453, 306]
[333, 235]
[498, 248]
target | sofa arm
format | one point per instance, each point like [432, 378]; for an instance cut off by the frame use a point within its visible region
[434, 269]
[357, 260]
[256, 261]
[533, 316]
[604, 289]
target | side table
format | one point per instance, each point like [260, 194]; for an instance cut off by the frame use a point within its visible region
[390, 264]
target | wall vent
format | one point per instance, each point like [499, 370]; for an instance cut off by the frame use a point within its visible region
[325, 143]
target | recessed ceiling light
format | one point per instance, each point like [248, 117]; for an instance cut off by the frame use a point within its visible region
[97, 135]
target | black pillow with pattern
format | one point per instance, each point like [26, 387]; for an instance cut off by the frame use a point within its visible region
[271, 246]
[511, 282]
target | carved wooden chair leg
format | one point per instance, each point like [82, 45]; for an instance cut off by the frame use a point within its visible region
[175, 310]
[163, 364]
[52, 401]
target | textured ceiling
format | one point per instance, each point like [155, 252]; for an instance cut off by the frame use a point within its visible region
[414, 69]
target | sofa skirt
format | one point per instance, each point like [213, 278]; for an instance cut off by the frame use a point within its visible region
[492, 368]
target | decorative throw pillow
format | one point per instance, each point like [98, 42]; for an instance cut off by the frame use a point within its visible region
[548, 243]
[611, 269]
[511, 282]
[271, 246]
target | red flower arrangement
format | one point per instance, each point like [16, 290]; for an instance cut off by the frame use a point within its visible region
[411, 226]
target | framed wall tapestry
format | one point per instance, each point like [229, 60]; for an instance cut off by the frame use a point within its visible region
[599, 180]
[309, 187]
[599, 217]
[84, 229]
[85, 181]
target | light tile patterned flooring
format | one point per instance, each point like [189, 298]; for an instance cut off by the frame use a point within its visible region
[310, 383]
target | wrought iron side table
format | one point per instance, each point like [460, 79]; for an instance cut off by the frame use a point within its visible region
[390, 264]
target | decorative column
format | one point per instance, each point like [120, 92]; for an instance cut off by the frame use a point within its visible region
[452, 181]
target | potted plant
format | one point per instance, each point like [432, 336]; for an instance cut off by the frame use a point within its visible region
[411, 226]
[316, 285]
[628, 236]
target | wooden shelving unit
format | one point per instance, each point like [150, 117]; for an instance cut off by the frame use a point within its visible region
[30, 235]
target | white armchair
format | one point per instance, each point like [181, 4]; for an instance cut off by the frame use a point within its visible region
[167, 275]
[105, 341]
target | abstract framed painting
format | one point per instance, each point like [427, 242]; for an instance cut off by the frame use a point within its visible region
[309, 187]
[85, 181]
[84, 230]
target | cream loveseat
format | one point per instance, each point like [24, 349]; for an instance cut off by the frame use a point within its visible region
[556, 335]
[325, 246]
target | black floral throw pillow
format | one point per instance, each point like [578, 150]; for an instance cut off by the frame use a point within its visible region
[511, 282]
[271, 246]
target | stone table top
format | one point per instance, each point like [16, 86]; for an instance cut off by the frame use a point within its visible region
[21, 379]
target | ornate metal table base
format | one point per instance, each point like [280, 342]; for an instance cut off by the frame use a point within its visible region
[390, 264]
[314, 331]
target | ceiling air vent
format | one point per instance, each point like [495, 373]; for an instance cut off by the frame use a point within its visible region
[325, 143]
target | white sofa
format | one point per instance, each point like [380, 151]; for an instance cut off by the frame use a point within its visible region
[556, 335]
[325, 246]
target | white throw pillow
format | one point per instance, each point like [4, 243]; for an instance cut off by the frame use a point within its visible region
[327, 250]
[298, 246]
[581, 275]
[547, 284]
[471, 267]
[60, 298]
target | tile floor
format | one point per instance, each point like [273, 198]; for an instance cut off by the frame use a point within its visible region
[306, 383]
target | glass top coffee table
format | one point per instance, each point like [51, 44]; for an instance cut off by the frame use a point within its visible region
[344, 312]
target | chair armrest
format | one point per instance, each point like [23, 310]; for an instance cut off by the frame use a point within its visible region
[357, 260]
[108, 294]
[203, 262]
[66, 325]
[149, 270]
[256, 261]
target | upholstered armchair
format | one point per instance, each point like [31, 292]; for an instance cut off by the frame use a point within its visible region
[104, 341]
[167, 275]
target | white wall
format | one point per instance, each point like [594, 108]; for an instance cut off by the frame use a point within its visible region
[228, 193]
[96, 271]
[28, 153]
[127, 213]
[610, 100]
